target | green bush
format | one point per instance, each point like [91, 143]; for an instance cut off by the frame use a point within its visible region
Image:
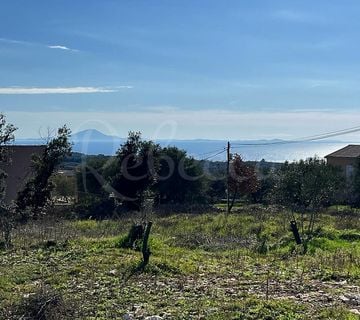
[91, 207]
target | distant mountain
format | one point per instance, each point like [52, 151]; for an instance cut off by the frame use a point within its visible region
[92, 135]
[92, 141]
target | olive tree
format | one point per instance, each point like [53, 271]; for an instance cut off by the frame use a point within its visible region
[136, 167]
[181, 178]
[307, 186]
[36, 194]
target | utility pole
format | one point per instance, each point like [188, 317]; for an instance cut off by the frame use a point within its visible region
[228, 176]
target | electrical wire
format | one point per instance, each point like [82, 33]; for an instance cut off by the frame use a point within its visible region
[210, 152]
[214, 155]
[304, 139]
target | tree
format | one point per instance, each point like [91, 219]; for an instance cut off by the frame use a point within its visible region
[37, 191]
[181, 178]
[137, 165]
[93, 187]
[307, 185]
[64, 187]
[216, 189]
[6, 135]
[7, 217]
[353, 188]
[266, 175]
[88, 178]
[242, 179]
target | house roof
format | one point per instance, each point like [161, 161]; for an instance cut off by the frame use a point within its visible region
[350, 151]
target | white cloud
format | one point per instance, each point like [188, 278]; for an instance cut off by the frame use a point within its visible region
[28, 43]
[161, 109]
[62, 48]
[11, 41]
[297, 16]
[123, 87]
[58, 90]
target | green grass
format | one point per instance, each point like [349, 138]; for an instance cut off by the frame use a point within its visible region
[211, 266]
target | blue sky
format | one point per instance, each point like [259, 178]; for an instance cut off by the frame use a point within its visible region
[181, 69]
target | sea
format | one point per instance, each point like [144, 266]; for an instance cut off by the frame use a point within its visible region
[271, 151]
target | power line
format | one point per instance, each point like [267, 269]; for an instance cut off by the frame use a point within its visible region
[210, 152]
[304, 139]
[338, 132]
[335, 134]
[214, 155]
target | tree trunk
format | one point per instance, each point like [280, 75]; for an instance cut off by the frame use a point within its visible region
[7, 235]
[145, 248]
[312, 223]
[295, 232]
[233, 200]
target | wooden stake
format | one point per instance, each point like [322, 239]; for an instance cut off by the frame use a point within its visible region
[145, 248]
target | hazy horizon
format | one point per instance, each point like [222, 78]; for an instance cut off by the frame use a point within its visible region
[94, 142]
[90, 132]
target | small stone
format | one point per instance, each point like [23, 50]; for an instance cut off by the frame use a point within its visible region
[354, 299]
[153, 318]
[113, 272]
[355, 311]
[344, 299]
[128, 316]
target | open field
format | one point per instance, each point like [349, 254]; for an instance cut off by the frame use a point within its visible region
[211, 266]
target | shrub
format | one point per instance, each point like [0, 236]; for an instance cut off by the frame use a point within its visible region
[44, 304]
[94, 207]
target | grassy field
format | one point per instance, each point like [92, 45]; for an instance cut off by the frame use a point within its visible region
[211, 266]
